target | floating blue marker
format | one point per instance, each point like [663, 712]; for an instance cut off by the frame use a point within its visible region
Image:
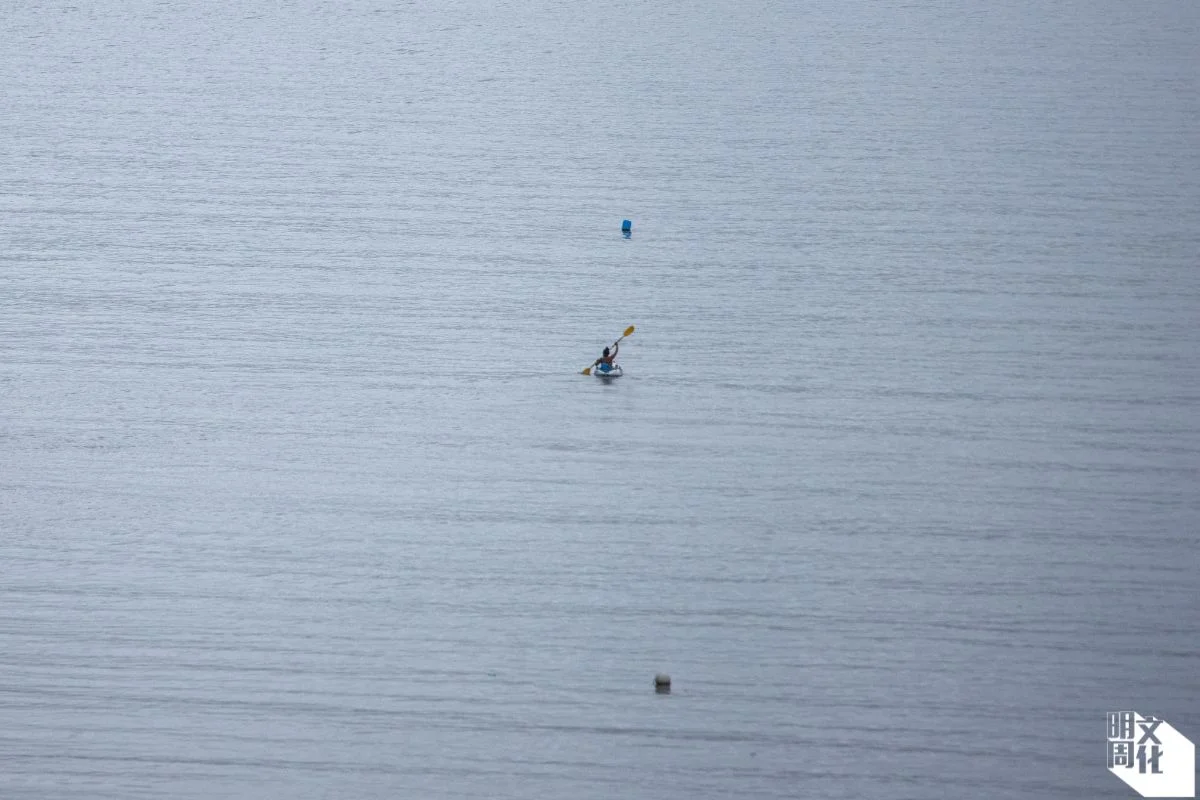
[626, 225]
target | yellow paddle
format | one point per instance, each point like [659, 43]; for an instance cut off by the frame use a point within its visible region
[628, 332]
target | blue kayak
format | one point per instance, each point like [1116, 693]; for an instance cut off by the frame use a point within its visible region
[611, 372]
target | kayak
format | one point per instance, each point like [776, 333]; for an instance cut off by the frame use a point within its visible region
[614, 372]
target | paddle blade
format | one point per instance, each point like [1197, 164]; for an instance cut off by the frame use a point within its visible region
[587, 371]
[628, 332]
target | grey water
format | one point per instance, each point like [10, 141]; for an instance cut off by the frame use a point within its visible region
[302, 493]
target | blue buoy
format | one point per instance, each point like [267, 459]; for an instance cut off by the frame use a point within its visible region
[626, 225]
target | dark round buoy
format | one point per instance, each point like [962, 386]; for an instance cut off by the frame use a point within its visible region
[662, 683]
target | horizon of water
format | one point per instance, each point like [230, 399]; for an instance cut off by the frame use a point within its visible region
[302, 493]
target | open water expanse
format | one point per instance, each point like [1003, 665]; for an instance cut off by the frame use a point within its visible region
[302, 494]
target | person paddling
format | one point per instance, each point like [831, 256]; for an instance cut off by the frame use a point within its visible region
[605, 362]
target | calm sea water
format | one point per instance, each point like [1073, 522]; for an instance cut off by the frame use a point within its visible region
[302, 493]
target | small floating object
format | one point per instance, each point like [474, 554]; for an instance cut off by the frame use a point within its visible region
[662, 683]
[626, 225]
